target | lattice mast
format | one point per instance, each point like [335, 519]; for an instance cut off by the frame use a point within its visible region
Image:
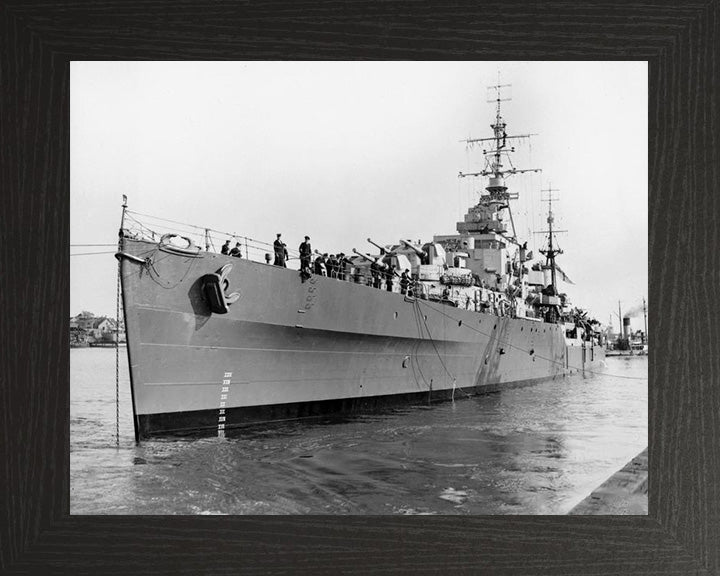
[552, 250]
[499, 151]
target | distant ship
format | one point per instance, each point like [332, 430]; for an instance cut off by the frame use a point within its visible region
[628, 343]
[216, 342]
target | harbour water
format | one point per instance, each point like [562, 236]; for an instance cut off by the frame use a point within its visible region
[534, 450]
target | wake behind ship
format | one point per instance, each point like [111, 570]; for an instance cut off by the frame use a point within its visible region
[218, 342]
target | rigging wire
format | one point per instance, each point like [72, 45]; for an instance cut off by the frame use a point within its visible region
[416, 347]
[253, 245]
[164, 219]
[201, 229]
[427, 328]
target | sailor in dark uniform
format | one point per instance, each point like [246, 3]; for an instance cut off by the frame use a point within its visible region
[404, 282]
[414, 287]
[225, 248]
[281, 253]
[332, 266]
[237, 251]
[375, 273]
[342, 261]
[389, 277]
[305, 255]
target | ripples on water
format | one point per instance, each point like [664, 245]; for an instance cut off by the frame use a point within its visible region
[533, 450]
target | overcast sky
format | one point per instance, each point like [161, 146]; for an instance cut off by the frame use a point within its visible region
[343, 151]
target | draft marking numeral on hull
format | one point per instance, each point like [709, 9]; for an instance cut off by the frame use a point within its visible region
[224, 389]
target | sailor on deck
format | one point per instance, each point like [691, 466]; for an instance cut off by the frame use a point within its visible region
[320, 269]
[389, 277]
[305, 255]
[404, 281]
[376, 273]
[342, 261]
[281, 253]
[225, 248]
[236, 251]
[332, 266]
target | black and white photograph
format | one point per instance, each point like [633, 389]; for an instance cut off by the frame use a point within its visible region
[359, 288]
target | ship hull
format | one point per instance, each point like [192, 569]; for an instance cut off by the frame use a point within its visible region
[290, 349]
[205, 422]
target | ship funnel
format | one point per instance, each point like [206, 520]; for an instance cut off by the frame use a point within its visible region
[626, 327]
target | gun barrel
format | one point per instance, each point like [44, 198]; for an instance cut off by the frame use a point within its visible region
[376, 245]
[383, 250]
[363, 255]
[413, 248]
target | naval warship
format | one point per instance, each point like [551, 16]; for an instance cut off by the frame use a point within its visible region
[216, 342]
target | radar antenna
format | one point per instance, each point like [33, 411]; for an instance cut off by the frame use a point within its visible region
[498, 194]
[494, 155]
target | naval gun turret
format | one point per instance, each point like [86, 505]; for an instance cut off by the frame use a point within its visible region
[386, 253]
[384, 250]
[364, 256]
[393, 255]
[415, 249]
[430, 253]
[414, 256]
[361, 264]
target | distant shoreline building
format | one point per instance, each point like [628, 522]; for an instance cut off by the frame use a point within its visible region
[87, 329]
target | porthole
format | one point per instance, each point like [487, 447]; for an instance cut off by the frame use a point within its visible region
[396, 314]
[460, 323]
[494, 326]
[425, 316]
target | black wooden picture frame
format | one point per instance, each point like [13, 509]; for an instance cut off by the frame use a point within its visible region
[680, 41]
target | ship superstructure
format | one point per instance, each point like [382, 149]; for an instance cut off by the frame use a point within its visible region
[485, 266]
[216, 342]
